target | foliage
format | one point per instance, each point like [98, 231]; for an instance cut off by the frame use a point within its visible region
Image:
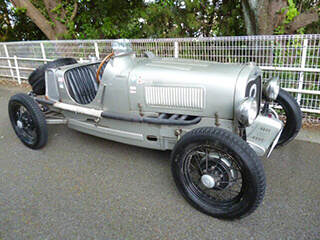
[140, 19]
[306, 5]
[106, 19]
[193, 18]
[295, 7]
[290, 13]
[15, 25]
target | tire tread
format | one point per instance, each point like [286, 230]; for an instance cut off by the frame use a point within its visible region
[253, 161]
[34, 109]
[291, 101]
[37, 78]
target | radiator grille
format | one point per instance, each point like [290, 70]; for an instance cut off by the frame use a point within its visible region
[174, 97]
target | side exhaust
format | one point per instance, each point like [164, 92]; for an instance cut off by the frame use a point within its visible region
[165, 119]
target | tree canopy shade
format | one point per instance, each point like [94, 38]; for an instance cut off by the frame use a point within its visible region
[90, 19]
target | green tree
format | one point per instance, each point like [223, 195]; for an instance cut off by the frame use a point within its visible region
[266, 17]
[51, 16]
[15, 25]
[80, 19]
[107, 19]
[306, 5]
[192, 18]
[89, 19]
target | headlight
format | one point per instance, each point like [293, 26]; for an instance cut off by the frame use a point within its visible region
[271, 88]
[247, 111]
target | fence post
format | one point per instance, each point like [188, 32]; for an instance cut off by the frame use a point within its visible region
[176, 50]
[43, 52]
[303, 63]
[96, 50]
[17, 68]
[9, 61]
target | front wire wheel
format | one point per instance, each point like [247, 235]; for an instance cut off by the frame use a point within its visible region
[218, 173]
[213, 175]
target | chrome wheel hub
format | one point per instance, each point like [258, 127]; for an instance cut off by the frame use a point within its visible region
[208, 181]
[19, 124]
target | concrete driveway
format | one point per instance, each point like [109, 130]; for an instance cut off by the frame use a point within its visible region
[83, 187]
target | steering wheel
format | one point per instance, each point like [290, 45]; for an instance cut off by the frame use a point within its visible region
[101, 64]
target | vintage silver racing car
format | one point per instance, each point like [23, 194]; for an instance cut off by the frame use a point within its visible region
[216, 118]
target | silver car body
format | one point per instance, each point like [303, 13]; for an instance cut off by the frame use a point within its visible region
[151, 86]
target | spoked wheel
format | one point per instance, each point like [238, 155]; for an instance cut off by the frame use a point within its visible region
[213, 175]
[28, 121]
[24, 123]
[218, 173]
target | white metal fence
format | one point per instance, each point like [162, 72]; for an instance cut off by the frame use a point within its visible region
[294, 58]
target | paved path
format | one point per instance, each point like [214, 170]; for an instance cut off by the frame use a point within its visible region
[83, 187]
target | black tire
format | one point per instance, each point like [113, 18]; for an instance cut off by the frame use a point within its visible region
[37, 77]
[32, 128]
[293, 117]
[253, 180]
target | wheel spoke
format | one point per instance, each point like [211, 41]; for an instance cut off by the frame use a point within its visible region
[197, 158]
[238, 185]
[206, 159]
[220, 195]
[19, 113]
[193, 168]
[216, 164]
[29, 132]
[228, 189]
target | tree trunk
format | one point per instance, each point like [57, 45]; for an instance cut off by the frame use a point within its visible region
[55, 31]
[59, 28]
[302, 20]
[37, 17]
[262, 17]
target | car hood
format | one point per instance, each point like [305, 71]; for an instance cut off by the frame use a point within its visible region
[184, 86]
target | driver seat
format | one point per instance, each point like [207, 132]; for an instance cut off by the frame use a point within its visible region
[82, 83]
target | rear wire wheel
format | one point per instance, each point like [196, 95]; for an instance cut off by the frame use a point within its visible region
[28, 121]
[218, 173]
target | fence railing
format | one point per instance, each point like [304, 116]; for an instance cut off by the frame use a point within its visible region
[294, 58]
